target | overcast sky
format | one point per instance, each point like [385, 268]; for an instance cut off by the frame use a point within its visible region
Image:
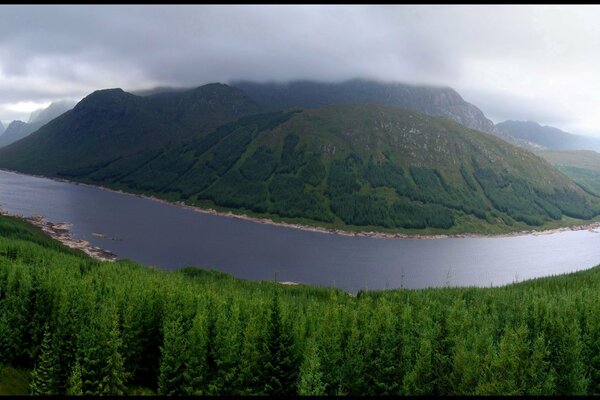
[513, 62]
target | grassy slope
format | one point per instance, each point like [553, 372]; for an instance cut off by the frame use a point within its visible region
[583, 166]
[389, 164]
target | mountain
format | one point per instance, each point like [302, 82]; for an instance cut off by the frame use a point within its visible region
[112, 124]
[345, 166]
[47, 114]
[546, 137]
[434, 101]
[17, 130]
[582, 166]
[2, 128]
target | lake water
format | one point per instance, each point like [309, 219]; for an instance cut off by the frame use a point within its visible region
[172, 237]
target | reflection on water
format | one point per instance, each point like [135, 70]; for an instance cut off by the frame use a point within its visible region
[170, 237]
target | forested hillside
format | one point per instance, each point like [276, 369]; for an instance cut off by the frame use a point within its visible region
[85, 327]
[354, 167]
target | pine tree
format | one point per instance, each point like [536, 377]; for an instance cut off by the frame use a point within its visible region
[114, 376]
[172, 364]
[281, 368]
[196, 367]
[509, 367]
[311, 376]
[43, 377]
[226, 349]
[74, 383]
[539, 376]
[252, 358]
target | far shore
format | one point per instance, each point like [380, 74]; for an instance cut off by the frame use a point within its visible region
[372, 234]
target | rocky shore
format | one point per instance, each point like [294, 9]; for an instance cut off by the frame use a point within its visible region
[61, 232]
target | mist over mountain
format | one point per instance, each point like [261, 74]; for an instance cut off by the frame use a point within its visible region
[18, 130]
[430, 100]
[532, 134]
[158, 90]
[2, 128]
[47, 114]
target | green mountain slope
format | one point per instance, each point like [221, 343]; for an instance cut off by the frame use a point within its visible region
[355, 167]
[582, 166]
[111, 124]
[118, 327]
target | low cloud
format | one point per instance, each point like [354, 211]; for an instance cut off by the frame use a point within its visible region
[515, 62]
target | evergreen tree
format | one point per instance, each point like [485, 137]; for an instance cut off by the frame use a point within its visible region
[172, 365]
[226, 349]
[281, 369]
[74, 383]
[311, 376]
[196, 367]
[43, 377]
[539, 377]
[252, 359]
[114, 376]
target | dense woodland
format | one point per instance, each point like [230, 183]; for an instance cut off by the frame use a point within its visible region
[85, 327]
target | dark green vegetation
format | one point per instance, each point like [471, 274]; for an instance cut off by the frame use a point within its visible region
[13, 381]
[431, 100]
[547, 136]
[582, 166]
[86, 327]
[355, 166]
[110, 125]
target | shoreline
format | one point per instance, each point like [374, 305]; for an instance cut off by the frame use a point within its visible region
[372, 234]
[61, 232]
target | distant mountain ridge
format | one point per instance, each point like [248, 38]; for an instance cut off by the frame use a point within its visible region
[56, 108]
[2, 128]
[546, 137]
[18, 130]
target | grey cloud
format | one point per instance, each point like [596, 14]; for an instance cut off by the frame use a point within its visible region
[74, 50]
[501, 107]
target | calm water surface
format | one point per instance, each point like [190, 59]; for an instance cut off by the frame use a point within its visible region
[170, 237]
